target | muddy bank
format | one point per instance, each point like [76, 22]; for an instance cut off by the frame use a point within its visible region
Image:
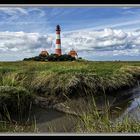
[76, 106]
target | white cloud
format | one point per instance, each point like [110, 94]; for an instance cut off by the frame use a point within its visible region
[19, 10]
[13, 10]
[23, 43]
[15, 13]
[107, 42]
[114, 42]
[95, 39]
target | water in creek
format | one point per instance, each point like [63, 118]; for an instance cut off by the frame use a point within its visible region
[122, 103]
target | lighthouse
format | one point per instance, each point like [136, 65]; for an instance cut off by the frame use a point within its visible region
[58, 41]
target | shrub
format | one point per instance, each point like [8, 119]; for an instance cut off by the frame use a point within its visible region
[52, 57]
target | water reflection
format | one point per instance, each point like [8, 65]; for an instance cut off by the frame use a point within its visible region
[129, 106]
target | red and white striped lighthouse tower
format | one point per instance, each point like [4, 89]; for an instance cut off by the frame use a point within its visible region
[58, 41]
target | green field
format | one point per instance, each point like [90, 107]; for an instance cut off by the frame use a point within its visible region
[58, 81]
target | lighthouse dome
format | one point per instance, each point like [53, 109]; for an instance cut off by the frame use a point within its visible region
[58, 28]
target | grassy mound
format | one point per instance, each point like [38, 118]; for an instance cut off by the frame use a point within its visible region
[75, 85]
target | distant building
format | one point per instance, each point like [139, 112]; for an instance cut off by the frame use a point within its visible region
[73, 53]
[44, 53]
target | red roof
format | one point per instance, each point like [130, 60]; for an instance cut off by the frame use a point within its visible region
[73, 53]
[44, 53]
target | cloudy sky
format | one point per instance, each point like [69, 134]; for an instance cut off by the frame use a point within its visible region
[96, 33]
